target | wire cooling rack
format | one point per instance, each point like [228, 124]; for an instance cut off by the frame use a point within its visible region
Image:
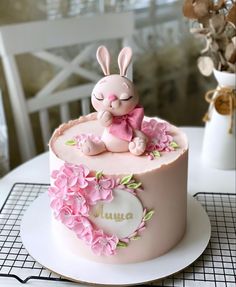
[215, 267]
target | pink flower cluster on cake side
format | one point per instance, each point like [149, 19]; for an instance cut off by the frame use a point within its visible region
[72, 195]
[158, 134]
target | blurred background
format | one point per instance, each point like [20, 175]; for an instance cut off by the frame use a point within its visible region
[164, 63]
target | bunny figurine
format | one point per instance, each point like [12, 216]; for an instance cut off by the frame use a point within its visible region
[116, 101]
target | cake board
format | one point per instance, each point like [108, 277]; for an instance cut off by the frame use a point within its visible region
[37, 238]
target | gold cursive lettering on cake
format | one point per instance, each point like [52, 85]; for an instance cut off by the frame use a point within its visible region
[116, 216]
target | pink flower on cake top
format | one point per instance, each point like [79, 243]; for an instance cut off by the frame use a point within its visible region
[159, 137]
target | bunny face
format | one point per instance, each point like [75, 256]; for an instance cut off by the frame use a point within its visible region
[115, 94]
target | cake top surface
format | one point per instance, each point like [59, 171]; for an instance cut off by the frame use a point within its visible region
[64, 145]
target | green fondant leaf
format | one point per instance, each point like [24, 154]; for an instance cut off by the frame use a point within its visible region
[135, 237]
[71, 142]
[156, 153]
[134, 185]
[174, 144]
[121, 244]
[149, 215]
[126, 179]
[99, 174]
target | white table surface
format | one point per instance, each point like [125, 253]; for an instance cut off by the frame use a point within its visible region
[200, 179]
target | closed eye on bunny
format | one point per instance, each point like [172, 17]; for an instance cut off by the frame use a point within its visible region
[99, 97]
[125, 97]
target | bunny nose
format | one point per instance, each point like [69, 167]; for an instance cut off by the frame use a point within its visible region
[112, 98]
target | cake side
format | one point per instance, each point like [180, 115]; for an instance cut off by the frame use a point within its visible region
[163, 196]
[164, 192]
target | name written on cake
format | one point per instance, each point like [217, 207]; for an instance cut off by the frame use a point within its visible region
[116, 216]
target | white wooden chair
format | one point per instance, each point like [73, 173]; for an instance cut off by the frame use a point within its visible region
[36, 38]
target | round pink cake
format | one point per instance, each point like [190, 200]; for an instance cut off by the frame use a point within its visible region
[118, 207]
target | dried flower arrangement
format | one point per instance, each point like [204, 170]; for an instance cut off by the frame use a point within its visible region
[217, 26]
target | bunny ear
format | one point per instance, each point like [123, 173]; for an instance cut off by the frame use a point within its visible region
[103, 58]
[124, 59]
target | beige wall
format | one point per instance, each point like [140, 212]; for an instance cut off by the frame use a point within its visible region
[15, 11]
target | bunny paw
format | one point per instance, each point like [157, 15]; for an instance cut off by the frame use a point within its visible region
[105, 118]
[137, 146]
[88, 147]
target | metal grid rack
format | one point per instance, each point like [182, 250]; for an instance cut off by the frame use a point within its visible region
[215, 267]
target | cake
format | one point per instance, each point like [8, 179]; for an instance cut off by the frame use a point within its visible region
[118, 189]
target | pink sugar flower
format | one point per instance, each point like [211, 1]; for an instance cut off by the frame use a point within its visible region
[56, 204]
[61, 181]
[55, 192]
[76, 175]
[61, 186]
[83, 137]
[158, 135]
[83, 229]
[62, 170]
[150, 157]
[71, 177]
[163, 143]
[81, 172]
[153, 128]
[100, 189]
[78, 204]
[150, 128]
[151, 146]
[104, 244]
[54, 173]
[66, 216]
[162, 127]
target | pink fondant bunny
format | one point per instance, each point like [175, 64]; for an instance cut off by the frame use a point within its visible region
[116, 101]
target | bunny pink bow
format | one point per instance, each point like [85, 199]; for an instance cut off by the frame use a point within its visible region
[123, 126]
